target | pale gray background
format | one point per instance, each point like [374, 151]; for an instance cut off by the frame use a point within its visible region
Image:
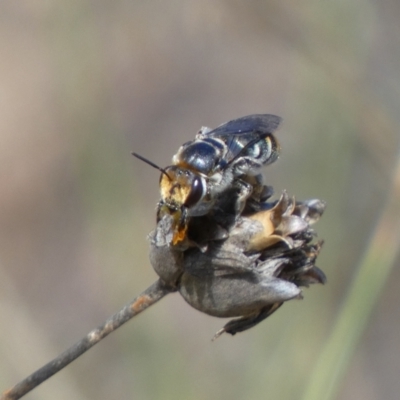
[83, 83]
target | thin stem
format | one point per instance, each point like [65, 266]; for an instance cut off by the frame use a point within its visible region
[150, 296]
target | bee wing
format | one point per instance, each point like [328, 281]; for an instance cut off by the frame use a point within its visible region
[251, 124]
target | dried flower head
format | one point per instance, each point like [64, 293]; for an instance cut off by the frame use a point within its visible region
[242, 266]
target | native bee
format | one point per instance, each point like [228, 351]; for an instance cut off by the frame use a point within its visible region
[227, 157]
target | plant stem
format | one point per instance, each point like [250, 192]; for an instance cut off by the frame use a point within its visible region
[147, 298]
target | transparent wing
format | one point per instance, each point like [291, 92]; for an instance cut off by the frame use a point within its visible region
[251, 124]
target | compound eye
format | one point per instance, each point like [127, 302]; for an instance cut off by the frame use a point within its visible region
[196, 193]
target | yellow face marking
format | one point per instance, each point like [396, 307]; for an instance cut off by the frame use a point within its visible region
[176, 188]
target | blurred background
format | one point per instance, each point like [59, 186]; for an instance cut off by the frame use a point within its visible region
[84, 83]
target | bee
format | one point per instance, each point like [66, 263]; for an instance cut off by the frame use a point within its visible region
[218, 160]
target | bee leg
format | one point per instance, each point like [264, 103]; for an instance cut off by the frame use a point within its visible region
[244, 323]
[266, 193]
[244, 191]
[259, 194]
[257, 182]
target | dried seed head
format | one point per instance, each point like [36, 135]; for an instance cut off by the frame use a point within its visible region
[248, 266]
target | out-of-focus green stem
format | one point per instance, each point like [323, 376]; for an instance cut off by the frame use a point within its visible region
[368, 283]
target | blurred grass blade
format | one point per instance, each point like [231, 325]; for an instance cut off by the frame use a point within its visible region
[369, 281]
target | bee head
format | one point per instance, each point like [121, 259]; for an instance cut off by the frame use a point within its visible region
[181, 187]
[180, 190]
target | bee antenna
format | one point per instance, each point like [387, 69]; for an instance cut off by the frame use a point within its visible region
[152, 164]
